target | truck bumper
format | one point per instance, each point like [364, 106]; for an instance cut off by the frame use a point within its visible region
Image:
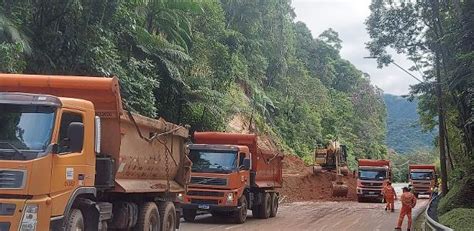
[12, 212]
[422, 192]
[211, 208]
[369, 193]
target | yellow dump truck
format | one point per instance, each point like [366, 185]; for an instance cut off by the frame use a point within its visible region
[71, 158]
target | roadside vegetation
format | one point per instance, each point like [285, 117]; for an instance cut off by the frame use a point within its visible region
[437, 36]
[204, 62]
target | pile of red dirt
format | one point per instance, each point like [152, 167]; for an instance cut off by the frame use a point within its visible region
[300, 184]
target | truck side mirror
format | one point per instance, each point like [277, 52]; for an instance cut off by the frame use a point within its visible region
[75, 134]
[246, 164]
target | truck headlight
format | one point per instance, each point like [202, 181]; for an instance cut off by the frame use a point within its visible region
[30, 218]
[180, 197]
[230, 197]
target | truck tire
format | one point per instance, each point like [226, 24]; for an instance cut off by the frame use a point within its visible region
[75, 220]
[274, 210]
[219, 214]
[148, 217]
[189, 215]
[167, 216]
[266, 206]
[256, 211]
[241, 215]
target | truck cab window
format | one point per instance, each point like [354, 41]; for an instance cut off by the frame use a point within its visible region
[241, 159]
[66, 119]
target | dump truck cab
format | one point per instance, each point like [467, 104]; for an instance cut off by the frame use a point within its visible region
[372, 176]
[42, 137]
[422, 179]
[219, 176]
[231, 174]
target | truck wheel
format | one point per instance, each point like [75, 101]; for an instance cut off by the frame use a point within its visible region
[266, 206]
[167, 216]
[274, 199]
[256, 211]
[148, 218]
[241, 215]
[75, 220]
[103, 226]
[189, 215]
[218, 214]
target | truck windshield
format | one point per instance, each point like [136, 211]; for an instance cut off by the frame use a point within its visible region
[372, 174]
[25, 131]
[421, 175]
[213, 161]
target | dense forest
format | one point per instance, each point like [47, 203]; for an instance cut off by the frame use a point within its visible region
[438, 37]
[404, 132]
[204, 62]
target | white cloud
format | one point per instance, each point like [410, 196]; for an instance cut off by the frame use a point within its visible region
[347, 18]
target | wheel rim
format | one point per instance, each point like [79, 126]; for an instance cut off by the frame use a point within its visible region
[170, 222]
[243, 211]
[269, 206]
[79, 225]
[275, 205]
[153, 223]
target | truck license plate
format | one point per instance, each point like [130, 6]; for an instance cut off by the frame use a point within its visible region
[371, 192]
[203, 206]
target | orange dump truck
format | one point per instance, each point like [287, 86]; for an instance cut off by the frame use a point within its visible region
[231, 174]
[72, 159]
[422, 178]
[372, 177]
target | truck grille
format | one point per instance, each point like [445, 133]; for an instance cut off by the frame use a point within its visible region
[11, 179]
[209, 181]
[7, 209]
[205, 193]
[422, 183]
[371, 184]
[204, 202]
[371, 192]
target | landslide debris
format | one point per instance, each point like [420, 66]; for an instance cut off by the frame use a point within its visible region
[299, 183]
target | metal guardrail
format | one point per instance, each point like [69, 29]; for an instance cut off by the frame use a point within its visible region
[431, 215]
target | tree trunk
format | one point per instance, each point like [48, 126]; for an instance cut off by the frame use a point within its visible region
[442, 134]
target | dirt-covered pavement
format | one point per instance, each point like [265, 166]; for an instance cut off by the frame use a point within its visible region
[308, 215]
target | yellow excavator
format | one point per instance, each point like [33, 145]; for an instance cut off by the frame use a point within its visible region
[333, 157]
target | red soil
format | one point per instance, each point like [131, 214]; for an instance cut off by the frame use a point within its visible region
[299, 183]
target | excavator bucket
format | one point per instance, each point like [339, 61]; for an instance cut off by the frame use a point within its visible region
[317, 169]
[339, 188]
[345, 170]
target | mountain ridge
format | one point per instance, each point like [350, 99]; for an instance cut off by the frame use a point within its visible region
[404, 133]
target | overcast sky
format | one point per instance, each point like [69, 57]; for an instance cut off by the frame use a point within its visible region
[347, 18]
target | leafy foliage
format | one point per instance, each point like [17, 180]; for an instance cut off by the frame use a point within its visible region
[437, 36]
[201, 63]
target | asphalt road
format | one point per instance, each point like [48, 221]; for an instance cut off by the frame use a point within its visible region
[314, 216]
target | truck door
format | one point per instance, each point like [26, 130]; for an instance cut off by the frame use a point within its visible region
[70, 168]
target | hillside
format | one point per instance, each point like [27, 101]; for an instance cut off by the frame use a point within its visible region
[203, 63]
[404, 133]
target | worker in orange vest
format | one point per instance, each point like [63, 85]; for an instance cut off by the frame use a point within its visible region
[408, 202]
[390, 196]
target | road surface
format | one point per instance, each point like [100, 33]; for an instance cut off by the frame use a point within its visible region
[341, 216]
